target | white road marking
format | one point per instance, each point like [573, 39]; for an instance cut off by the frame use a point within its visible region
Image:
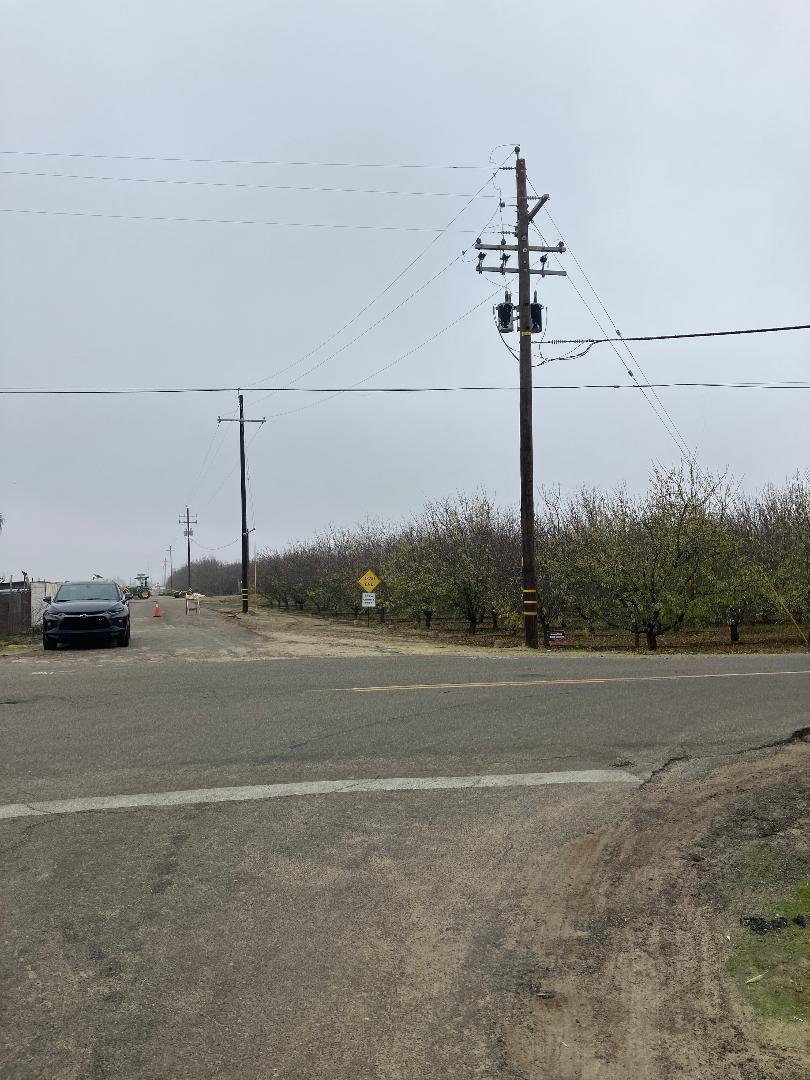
[594, 681]
[195, 797]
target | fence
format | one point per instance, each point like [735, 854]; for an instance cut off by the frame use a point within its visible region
[15, 607]
[39, 590]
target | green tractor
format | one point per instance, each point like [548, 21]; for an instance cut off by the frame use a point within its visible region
[142, 589]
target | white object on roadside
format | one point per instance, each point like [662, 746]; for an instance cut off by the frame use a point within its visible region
[193, 601]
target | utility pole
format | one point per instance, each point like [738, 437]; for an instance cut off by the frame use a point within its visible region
[171, 568]
[529, 322]
[188, 532]
[243, 492]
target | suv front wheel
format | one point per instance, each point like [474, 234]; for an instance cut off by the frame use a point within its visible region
[47, 644]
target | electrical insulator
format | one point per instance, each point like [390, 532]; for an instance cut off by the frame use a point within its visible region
[506, 315]
[537, 318]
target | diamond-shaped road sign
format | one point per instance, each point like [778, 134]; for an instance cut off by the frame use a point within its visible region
[369, 581]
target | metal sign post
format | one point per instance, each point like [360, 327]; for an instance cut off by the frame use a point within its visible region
[368, 583]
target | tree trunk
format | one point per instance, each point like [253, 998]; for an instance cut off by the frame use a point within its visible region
[636, 639]
[472, 623]
[494, 616]
[428, 618]
[382, 614]
[652, 640]
[734, 631]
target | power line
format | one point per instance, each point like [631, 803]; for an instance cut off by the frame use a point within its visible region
[221, 547]
[97, 215]
[362, 334]
[208, 462]
[652, 400]
[788, 384]
[236, 184]
[386, 367]
[678, 337]
[387, 288]
[234, 161]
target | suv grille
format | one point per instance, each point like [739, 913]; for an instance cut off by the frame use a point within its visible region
[84, 623]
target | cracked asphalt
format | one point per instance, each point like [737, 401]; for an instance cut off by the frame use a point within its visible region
[359, 935]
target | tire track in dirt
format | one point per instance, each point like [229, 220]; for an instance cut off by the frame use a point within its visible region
[627, 934]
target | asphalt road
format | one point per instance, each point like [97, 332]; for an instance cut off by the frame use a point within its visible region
[358, 933]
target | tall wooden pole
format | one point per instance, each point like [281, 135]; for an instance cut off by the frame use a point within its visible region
[243, 489]
[526, 436]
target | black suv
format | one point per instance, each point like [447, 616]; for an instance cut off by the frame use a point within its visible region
[84, 610]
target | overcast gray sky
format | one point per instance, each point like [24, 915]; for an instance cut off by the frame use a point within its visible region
[673, 142]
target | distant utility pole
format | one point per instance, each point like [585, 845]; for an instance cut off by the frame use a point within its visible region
[188, 532]
[243, 490]
[530, 321]
[171, 568]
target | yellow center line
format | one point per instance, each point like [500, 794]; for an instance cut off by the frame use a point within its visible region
[554, 682]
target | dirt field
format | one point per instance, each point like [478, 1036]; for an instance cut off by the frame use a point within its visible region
[639, 921]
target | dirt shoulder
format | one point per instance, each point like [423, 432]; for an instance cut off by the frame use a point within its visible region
[305, 634]
[293, 634]
[638, 929]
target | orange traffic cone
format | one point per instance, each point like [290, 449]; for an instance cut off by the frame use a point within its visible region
[156, 612]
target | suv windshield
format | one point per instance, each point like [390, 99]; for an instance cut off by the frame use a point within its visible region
[87, 590]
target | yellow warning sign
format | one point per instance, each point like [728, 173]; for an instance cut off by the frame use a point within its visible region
[369, 581]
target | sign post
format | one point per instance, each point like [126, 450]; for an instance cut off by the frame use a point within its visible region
[368, 583]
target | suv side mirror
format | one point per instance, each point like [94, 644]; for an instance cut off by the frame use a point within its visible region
[46, 600]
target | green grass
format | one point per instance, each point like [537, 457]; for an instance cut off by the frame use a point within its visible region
[772, 971]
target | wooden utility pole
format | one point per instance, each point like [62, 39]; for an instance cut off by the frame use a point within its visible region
[526, 434]
[243, 492]
[188, 533]
[529, 322]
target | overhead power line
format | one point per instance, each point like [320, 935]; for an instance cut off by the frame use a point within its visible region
[652, 398]
[370, 303]
[234, 221]
[677, 337]
[243, 186]
[234, 161]
[372, 326]
[795, 384]
[196, 543]
[390, 364]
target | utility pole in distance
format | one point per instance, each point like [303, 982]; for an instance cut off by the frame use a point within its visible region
[188, 533]
[529, 321]
[171, 567]
[243, 491]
